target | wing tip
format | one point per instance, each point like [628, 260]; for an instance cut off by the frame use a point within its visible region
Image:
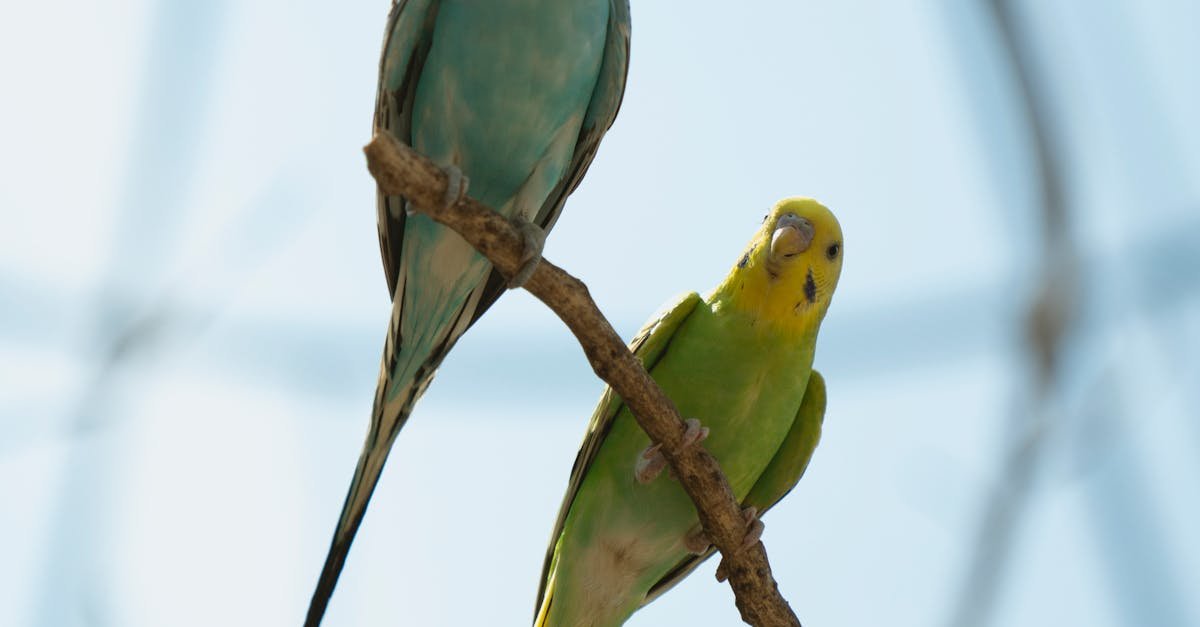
[543, 614]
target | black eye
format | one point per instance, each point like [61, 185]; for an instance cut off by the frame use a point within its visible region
[832, 252]
[764, 217]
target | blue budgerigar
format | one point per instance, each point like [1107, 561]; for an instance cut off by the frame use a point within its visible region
[514, 96]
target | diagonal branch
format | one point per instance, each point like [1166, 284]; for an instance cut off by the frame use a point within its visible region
[401, 171]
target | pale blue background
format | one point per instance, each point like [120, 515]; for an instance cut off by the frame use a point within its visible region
[192, 310]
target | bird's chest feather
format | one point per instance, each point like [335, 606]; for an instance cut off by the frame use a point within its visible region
[746, 385]
[744, 382]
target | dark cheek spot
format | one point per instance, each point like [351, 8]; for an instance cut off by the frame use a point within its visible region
[810, 288]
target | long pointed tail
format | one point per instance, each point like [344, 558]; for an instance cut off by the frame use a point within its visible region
[366, 476]
[401, 384]
[406, 371]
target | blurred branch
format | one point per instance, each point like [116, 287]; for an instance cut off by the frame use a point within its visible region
[1122, 512]
[163, 150]
[401, 171]
[1049, 317]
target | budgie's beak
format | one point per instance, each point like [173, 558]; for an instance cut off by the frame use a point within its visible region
[793, 235]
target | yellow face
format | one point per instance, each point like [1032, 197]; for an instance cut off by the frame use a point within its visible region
[792, 266]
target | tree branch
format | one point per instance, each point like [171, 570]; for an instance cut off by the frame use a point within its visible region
[401, 171]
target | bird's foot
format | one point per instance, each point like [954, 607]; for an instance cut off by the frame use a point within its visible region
[754, 527]
[651, 461]
[534, 240]
[649, 464]
[754, 531]
[456, 186]
[456, 189]
[696, 541]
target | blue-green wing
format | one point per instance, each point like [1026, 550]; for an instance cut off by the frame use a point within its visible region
[780, 476]
[405, 47]
[601, 112]
[650, 344]
[406, 42]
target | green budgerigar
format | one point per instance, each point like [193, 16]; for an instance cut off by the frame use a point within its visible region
[738, 364]
[513, 98]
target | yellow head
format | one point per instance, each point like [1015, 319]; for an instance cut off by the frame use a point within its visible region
[789, 271]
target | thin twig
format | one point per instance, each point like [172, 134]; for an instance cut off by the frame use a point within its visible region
[401, 171]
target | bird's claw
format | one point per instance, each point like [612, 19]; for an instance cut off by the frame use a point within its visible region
[754, 531]
[696, 541]
[456, 186]
[650, 462]
[694, 433]
[456, 189]
[534, 240]
[754, 527]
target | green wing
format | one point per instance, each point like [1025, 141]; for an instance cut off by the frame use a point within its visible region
[780, 476]
[788, 465]
[650, 344]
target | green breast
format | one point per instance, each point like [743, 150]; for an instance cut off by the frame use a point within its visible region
[740, 380]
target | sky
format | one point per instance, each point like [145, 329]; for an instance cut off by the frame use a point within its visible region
[192, 310]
